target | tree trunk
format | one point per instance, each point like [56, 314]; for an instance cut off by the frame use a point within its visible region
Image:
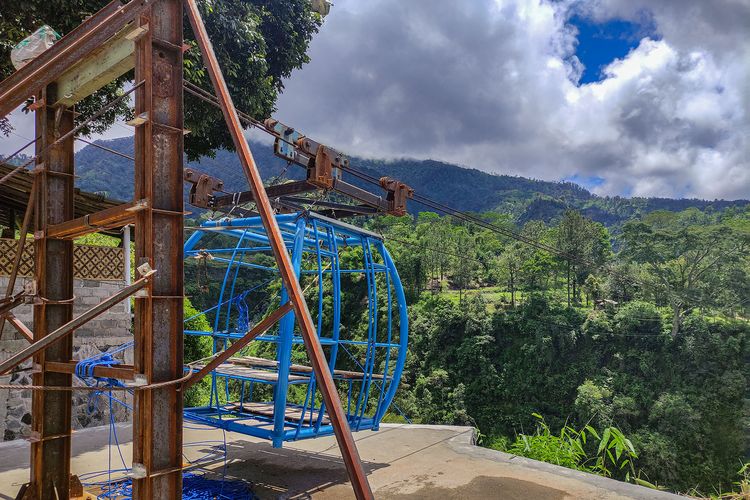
[676, 320]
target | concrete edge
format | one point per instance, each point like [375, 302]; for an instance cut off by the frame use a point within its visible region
[464, 442]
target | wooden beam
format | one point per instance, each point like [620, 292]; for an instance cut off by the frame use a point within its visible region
[48, 66]
[118, 216]
[121, 372]
[109, 61]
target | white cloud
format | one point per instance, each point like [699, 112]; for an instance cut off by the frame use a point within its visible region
[490, 84]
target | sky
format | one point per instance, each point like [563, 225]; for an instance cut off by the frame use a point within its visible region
[626, 97]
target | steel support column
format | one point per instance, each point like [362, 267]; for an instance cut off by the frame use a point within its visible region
[53, 271]
[318, 360]
[157, 438]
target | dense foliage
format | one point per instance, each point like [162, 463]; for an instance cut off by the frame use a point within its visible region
[257, 42]
[501, 331]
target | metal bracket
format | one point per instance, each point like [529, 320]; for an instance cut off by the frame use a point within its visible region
[327, 166]
[37, 105]
[137, 471]
[138, 120]
[145, 270]
[30, 290]
[202, 188]
[397, 194]
[285, 148]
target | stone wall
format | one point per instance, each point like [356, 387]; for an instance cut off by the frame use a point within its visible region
[102, 334]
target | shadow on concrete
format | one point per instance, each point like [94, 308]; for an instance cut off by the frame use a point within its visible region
[284, 472]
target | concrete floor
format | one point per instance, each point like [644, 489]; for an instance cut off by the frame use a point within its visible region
[402, 461]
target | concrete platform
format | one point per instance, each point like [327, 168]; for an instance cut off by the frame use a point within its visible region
[402, 462]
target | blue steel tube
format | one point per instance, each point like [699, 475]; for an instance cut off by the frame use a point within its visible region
[284, 347]
[403, 336]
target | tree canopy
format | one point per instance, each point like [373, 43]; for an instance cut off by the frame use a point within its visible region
[258, 44]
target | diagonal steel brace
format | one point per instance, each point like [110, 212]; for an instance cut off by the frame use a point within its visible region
[81, 320]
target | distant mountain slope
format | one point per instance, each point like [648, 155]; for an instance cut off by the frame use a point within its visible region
[462, 188]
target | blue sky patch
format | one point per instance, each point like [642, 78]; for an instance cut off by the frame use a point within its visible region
[589, 182]
[601, 43]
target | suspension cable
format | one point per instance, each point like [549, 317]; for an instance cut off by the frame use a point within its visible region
[72, 132]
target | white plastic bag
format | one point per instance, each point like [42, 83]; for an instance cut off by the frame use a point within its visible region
[33, 45]
[322, 7]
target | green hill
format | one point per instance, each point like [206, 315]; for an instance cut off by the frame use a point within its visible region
[462, 188]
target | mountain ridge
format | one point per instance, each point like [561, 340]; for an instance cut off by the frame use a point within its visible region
[466, 189]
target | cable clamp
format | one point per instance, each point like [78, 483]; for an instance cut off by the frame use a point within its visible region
[139, 380]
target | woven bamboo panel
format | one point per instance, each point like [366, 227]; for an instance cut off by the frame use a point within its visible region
[8, 253]
[89, 262]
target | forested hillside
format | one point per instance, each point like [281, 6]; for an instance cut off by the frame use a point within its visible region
[645, 349]
[621, 348]
[462, 188]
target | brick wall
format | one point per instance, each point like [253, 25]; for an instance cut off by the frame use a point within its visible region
[108, 331]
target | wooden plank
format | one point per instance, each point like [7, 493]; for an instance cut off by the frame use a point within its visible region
[267, 363]
[112, 60]
[256, 330]
[232, 370]
[292, 414]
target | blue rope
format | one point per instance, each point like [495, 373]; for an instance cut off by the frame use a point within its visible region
[85, 367]
[243, 316]
[195, 485]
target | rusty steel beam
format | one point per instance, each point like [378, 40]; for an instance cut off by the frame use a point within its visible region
[20, 327]
[120, 372]
[258, 329]
[53, 338]
[76, 45]
[315, 352]
[294, 187]
[108, 218]
[21, 247]
[158, 353]
[53, 273]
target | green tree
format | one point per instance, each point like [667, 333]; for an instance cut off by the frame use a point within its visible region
[686, 263]
[585, 246]
[464, 267]
[258, 43]
[510, 263]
